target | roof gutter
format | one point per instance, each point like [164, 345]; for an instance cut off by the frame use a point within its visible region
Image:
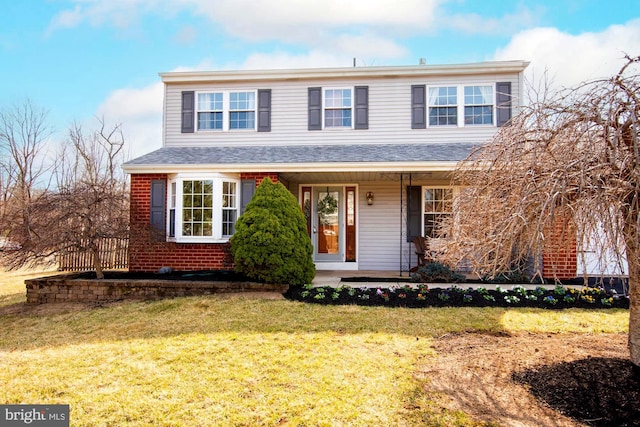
[294, 167]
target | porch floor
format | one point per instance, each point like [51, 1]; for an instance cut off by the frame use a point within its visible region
[385, 279]
[333, 278]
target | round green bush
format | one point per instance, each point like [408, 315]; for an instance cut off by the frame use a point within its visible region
[271, 243]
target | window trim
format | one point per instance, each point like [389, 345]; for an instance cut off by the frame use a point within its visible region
[492, 87]
[175, 208]
[460, 104]
[325, 108]
[226, 110]
[455, 190]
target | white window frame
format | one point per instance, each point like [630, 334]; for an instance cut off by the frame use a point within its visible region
[460, 104]
[226, 110]
[454, 192]
[325, 107]
[493, 104]
[456, 105]
[175, 206]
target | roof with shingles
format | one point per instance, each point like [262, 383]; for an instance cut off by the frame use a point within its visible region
[303, 154]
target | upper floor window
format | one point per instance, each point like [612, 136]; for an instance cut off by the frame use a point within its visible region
[443, 106]
[459, 105]
[242, 110]
[478, 105]
[226, 110]
[210, 111]
[338, 107]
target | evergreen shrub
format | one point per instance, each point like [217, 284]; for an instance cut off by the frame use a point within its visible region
[271, 243]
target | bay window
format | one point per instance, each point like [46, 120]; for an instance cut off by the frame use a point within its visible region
[202, 208]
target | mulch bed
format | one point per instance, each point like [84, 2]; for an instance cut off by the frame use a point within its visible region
[598, 391]
[455, 296]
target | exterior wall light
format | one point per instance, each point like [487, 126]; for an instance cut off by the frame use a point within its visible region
[369, 198]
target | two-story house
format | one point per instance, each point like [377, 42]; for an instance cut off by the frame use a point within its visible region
[368, 152]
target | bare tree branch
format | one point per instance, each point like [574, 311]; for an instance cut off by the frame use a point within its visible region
[565, 170]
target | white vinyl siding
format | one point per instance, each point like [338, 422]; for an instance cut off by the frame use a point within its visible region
[389, 114]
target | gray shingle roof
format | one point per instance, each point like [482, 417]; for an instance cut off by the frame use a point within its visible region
[308, 154]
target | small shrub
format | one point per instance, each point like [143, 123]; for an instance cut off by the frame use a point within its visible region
[539, 291]
[435, 272]
[506, 278]
[607, 302]
[511, 299]
[444, 296]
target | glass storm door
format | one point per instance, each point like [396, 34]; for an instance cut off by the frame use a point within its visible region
[327, 218]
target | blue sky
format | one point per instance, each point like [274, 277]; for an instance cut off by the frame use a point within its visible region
[79, 59]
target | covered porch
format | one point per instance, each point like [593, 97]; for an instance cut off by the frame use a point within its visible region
[377, 214]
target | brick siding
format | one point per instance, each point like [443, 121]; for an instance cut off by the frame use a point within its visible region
[149, 252]
[259, 176]
[559, 256]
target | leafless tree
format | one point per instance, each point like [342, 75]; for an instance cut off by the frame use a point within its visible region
[91, 200]
[23, 134]
[86, 202]
[569, 165]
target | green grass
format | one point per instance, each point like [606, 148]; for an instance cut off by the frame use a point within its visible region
[247, 362]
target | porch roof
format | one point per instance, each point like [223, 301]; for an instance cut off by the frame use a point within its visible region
[303, 158]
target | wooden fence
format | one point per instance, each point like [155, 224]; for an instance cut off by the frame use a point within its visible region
[113, 252]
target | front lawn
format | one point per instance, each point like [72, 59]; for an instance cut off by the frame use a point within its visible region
[233, 361]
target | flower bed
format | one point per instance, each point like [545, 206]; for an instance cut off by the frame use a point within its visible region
[422, 296]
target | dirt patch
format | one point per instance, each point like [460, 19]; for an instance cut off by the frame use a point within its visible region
[538, 379]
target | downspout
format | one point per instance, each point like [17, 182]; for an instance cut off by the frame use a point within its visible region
[401, 212]
[408, 210]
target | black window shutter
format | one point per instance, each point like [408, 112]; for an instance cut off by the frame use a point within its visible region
[264, 110]
[188, 111]
[315, 108]
[247, 188]
[414, 212]
[362, 107]
[503, 103]
[158, 201]
[418, 107]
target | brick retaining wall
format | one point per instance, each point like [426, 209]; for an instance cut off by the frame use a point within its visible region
[76, 288]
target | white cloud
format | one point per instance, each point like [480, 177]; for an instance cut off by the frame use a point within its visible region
[509, 23]
[186, 35]
[140, 113]
[363, 28]
[572, 59]
[118, 13]
[296, 21]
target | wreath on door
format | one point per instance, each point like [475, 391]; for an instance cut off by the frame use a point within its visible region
[328, 205]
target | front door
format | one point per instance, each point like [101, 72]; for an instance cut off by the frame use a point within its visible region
[330, 212]
[327, 218]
